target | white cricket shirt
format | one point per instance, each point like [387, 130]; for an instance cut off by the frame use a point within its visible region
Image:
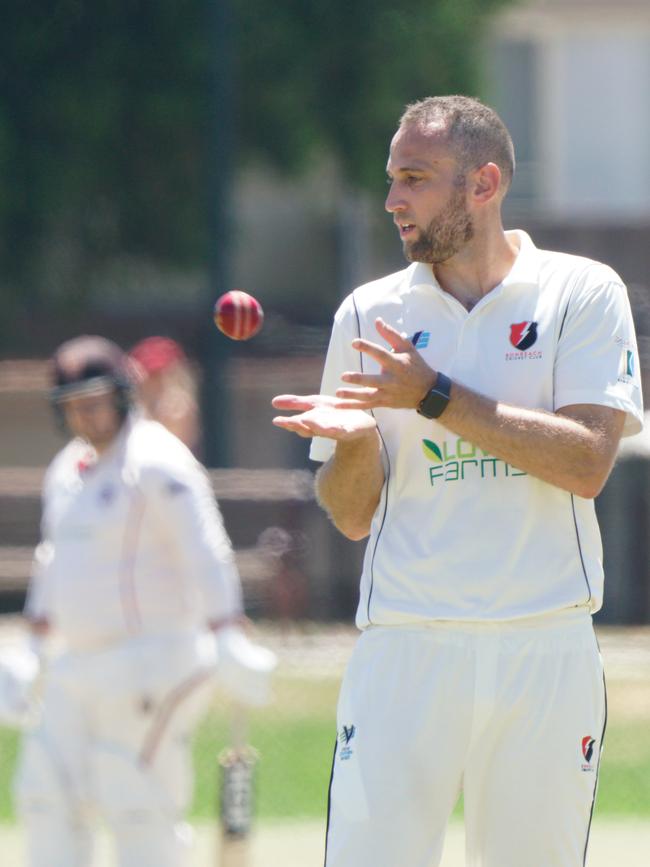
[459, 534]
[133, 543]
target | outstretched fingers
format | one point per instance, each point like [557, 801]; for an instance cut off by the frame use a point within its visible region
[374, 350]
[332, 422]
[356, 398]
[295, 424]
[385, 357]
[397, 342]
[297, 402]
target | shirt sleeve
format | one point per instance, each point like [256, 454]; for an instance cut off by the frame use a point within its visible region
[597, 359]
[37, 605]
[341, 357]
[37, 600]
[192, 521]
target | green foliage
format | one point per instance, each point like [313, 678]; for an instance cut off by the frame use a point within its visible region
[105, 113]
[102, 113]
[337, 75]
[101, 94]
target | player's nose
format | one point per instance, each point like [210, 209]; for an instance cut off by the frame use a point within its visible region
[394, 202]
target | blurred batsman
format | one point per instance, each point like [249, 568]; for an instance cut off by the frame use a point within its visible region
[136, 601]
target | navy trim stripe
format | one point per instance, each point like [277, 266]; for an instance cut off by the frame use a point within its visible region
[329, 800]
[356, 315]
[387, 483]
[600, 755]
[573, 506]
[570, 298]
[582, 561]
[566, 310]
[383, 521]
[559, 335]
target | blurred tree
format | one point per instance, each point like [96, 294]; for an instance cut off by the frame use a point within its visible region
[335, 76]
[105, 114]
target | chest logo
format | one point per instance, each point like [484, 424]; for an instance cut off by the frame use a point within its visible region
[462, 461]
[523, 335]
[106, 495]
[421, 339]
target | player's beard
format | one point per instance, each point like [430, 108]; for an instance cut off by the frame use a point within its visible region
[446, 234]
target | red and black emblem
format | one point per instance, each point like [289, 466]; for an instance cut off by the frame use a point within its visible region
[523, 334]
[588, 747]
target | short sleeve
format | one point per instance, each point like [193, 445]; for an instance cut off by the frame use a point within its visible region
[341, 357]
[597, 360]
[191, 520]
[37, 602]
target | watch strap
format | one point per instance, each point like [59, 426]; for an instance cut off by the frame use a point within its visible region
[435, 401]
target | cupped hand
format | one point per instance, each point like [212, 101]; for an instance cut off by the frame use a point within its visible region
[323, 416]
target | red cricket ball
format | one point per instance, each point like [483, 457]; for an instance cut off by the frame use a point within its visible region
[238, 315]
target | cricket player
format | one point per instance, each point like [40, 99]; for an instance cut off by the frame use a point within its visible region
[470, 411]
[166, 387]
[133, 571]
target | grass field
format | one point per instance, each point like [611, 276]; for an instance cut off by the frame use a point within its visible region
[295, 766]
[295, 739]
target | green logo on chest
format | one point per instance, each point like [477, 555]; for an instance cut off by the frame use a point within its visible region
[461, 460]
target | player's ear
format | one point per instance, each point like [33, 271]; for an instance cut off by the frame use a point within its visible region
[485, 183]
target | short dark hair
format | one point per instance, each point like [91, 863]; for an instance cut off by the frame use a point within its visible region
[474, 131]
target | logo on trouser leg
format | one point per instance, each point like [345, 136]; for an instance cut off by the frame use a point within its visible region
[345, 736]
[588, 744]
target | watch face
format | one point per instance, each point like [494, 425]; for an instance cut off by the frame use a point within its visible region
[434, 403]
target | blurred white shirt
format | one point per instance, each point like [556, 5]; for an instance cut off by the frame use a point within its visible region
[132, 543]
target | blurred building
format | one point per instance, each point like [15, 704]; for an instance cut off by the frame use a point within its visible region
[570, 78]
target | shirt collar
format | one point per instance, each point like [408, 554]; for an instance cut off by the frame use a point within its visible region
[90, 459]
[421, 274]
[525, 269]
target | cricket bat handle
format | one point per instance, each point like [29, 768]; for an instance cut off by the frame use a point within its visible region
[237, 777]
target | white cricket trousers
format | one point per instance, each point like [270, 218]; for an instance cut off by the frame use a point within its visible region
[510, 713]
[114, 741]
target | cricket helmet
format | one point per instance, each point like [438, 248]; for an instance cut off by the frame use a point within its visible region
[89, 365]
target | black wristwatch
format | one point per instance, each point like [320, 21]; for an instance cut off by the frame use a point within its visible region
[435, 401]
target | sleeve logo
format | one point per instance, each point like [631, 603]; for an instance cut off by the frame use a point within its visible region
[626, 366]
[421, 339]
